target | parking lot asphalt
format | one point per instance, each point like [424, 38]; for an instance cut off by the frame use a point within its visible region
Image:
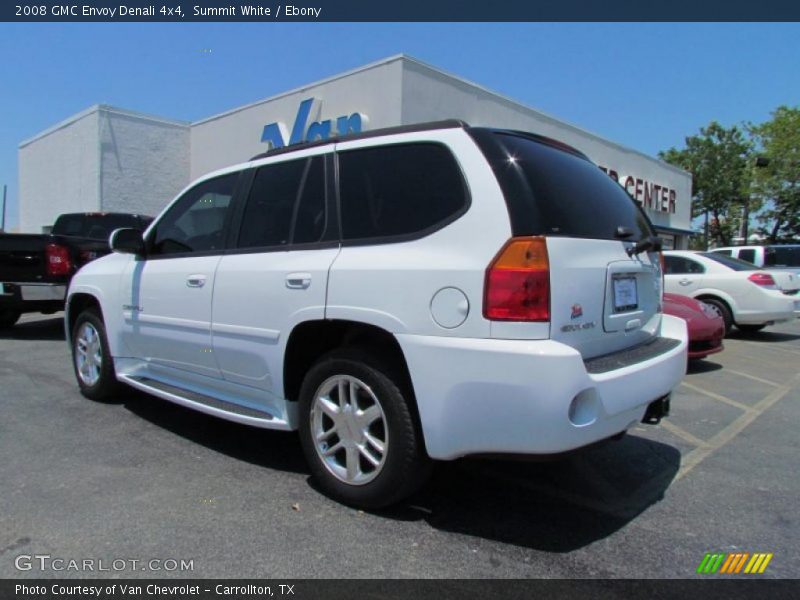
[141, 479]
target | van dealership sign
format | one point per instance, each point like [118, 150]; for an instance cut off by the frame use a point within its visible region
[276, 134]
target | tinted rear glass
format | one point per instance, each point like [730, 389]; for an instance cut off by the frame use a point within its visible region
[399, 190]
[96, 226]
[680, 265]
[552, 191]
[749, 255]
[729, 261]
[284, 197]
[782, 256]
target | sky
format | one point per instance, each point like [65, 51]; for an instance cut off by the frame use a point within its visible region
[643, 85]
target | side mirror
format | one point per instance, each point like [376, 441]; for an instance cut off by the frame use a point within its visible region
[127, 241]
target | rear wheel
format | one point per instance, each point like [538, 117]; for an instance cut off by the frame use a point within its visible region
[357, 431]
[750, 328]
[722, 310]
[8, 317]
[91, 359]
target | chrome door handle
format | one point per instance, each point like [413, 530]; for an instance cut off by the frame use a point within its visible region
[196, 281]
[685, 282]
[298, 281]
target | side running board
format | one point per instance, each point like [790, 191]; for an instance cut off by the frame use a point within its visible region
[206, 404]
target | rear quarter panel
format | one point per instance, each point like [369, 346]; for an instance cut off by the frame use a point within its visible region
[392, 285]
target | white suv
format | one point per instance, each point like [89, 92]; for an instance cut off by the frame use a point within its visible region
[416, 293]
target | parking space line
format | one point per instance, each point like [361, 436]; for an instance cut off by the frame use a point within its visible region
[767, 346]
[683, 434]
[753, 377]
[719, 397]
[698, 455]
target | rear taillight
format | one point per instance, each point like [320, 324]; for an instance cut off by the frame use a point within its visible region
[58, 262]
[517, 284]
[765, 280]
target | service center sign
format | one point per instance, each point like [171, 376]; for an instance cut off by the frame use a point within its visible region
[649, 194]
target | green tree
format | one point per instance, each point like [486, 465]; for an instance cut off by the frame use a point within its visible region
[719, 160]
[778, 181]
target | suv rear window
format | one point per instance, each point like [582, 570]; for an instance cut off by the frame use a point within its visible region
[554, 191]
[782, 256]
[96, 226]
[399, 190]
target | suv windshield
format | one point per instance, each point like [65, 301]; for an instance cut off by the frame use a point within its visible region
[729, 261]
[552, 190]
[96, 226]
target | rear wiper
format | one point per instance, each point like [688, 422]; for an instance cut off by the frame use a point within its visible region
[653, 243]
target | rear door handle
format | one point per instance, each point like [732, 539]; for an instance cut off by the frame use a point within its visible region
[298, 281]
[196, 281]
[685, 282]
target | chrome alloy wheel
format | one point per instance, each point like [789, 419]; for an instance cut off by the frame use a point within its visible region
[349, 429]
[715, 309]
[88, 354]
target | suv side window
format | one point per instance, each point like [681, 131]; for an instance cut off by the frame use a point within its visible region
[196, 222]
[748, 254]
[679, 265]
[723, 252]
[399, 190]
[286, 205]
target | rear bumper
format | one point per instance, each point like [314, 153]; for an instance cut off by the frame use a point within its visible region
[773, 307]
[32, 297]
[480, 396]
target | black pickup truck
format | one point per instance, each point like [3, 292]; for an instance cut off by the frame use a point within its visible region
[35, 269]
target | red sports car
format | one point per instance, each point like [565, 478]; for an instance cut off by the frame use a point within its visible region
[706, 327]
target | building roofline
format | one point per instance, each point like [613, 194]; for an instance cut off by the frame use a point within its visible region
[554, 120]
[98, 108]
[367, 67]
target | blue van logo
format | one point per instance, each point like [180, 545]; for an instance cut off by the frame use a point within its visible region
[275, 134]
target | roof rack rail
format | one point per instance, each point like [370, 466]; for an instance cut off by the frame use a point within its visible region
[414, 127]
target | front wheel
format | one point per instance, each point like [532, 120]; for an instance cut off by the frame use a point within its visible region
[722, 310]
[358, 433]
[91, 359]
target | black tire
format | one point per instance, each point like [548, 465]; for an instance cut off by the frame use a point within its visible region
[405, 464]
[106, 387]
[8, 318]
[750, 328]
[723, 311]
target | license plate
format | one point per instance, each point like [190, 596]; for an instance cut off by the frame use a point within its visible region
[625, 297]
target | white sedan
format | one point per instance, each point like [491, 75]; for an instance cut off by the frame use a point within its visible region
[744, 295]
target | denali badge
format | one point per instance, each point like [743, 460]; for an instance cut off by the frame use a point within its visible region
[577, 311]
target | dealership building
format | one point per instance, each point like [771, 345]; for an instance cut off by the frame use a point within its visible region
[117, 160]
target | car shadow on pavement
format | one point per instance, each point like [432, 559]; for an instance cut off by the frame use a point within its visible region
[555, 506]
[764, 336]
[278, 450]
[38, 330]
[702, 366]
